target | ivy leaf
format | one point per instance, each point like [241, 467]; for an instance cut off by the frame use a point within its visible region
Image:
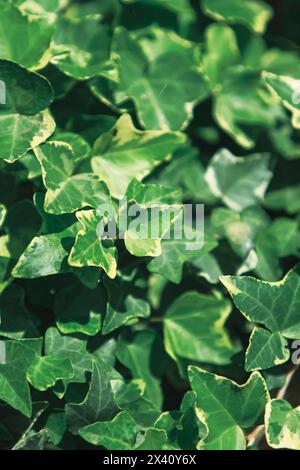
[288, 90]
[263, 303]
[57, 162]
[16, 321]
[228, 408]
[67, 193]
[265, 350]
[154, 439]
[73, 349]
[175, 253]
[45, 371]
[282, 425]
[194, 329]
[244, 103]
[79, 309]
[34, 30]
[91, 250]
[286, 198]
[75, 47]
[238, 181]
[125, 303]
[14, 388]
[158, 209]
[131, 397]
[46, 253]
[80, 147]
[124, 153]
[254, 14]
[118, 434]
[137, 353]
[98, 404]
[146, 79]
[25, 121]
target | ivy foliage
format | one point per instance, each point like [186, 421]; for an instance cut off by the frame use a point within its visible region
[140, 342]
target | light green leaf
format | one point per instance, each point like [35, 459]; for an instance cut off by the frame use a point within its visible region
[125, 152]
[228, 408]
[265, 350]
[255, 14]
[194, 329]
[222, 51]
[145, 77]
[287, 199]
[288, 90]
[75, 193]
[118, 434]
[238, 181]
[76, 47]
[263, 303]
[45, 371]
[91, 250]
[282, 425]
[175, 253]
[244, 103]
[18, 28]
[57, 162]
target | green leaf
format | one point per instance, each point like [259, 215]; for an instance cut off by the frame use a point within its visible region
[125, 303]
[243, 104]
[266, 350]
[73, 349]
[118, 434]
[57, 162]
[45, 371]
[79, 309]
[282, 425]
[18, 27]
[238, 181]
[125, 152]
[254, 14]
[91, 250]
[16, 321]
[288, 90]
[25, 122]
[194, 329]
[228, 408]
[131, 397]
[154, 439]
[175, 253]
[98, 404]
[46, 254]
[147, 80]
[14, 388]
[137, 353]
[286, 198]
[75, 45]
[263, 303]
